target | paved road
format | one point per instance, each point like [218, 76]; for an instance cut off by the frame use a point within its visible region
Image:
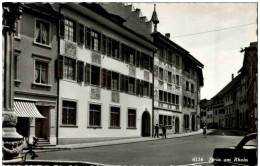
[177, 151]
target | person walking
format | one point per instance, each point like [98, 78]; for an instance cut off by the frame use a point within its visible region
[156, 128]
[164, 131]
[204, 130]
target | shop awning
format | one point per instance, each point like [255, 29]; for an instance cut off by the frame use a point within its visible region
[26, 109]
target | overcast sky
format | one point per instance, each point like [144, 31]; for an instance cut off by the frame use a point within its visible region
[219, 50]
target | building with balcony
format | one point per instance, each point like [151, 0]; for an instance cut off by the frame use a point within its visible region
[105, 76]
[35, 86]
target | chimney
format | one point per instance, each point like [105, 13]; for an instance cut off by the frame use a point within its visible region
[232, 76]
[168, 35]
[137, 9]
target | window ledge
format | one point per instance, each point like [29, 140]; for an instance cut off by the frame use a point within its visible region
[17, 82]
[48, 86]
[43, 45]
[69, 80]
[114, 127]
[69, 126]
[132, 128]
[95, 127]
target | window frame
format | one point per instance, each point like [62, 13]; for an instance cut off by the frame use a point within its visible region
[75, 71]
[74, 29]
[35, 38]
[61, 112]
[110, 113]
[88, 115]
[127, 123]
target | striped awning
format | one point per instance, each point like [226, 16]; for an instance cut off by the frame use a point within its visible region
[26, 109]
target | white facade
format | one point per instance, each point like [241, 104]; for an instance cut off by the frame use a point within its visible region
[84, 96]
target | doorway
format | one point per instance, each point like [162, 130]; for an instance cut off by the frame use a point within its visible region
[177, 125]
[146, 124]
[193, 122]
[42, 125]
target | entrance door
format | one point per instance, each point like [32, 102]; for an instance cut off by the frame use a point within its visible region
[193, 122]
[42, 126]
[146, 124]
[177, 125]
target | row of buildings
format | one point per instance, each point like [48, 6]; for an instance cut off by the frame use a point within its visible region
[88, 70]
[235, 106]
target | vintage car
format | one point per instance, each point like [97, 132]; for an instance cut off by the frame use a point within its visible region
[245, 153]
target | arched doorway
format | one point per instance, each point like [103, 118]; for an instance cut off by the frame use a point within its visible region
[146, 124]
[177, 125]
[193, 123]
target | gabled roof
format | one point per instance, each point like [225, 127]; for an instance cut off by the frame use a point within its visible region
[230, 86]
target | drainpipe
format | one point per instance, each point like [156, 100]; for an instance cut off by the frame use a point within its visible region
[153, 96]
[58, 81]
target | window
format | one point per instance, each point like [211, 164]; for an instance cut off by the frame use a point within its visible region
[42, 32]
[165, 75]
[70, 68]
[80, 71]
[192, 103]
[177, 60]
[132, 56]
[41, 72]
[104, 44]
[94, 115]
[160, 120]
[80, 34]
[137, 61]
[95, 75]
[161, 53]
[115, 49]
[123, 52]
[169, 120]
[87, 74]
[160, 73]
[115, 117]
[184, 100]
[109, 77]
[115, 81]
[137, 87]
[131, 85]
[187, 86]
[145, 61]
[69, 110]
[169, 77]
[186, 121]
[173, 98]
[104, 78]
[70, 30]
[95, 40]
[177, 99]
[122, 82]
[160, 95]
[192, 88]
[165, 96]
[16, 67]
[146, 89]
[169, 57]
[88, 37]
[189, 102]
[177, 80]
[131, 118]
[17, 29]
[126, 84]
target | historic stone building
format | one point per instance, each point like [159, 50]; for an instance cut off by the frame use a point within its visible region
[177, 73]
[35, 90]
[105, 76]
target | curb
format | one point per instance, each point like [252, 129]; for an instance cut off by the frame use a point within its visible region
[113, 143]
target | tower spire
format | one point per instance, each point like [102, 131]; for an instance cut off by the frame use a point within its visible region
[155, 19]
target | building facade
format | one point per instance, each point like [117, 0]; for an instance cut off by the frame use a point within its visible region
[35, 90]
[105, 76]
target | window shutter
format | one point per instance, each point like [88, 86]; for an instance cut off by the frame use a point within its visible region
[87, 74]
[108, 79]
[137, 59]
[104, 44]
[126, 84]
[59, 67]
[80, 34]
[141, 88]
[122, 52]
[109, 46]
[151, 90]
[151, 64]
[122, 82]
[165, 75]
[62, 28]
[137, 87]
[104, 78]
[88, 37]
[142, 61]
[80, 71]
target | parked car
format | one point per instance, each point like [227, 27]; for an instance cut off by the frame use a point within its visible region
[245, 153]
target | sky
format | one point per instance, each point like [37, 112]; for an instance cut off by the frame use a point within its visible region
[219, 51]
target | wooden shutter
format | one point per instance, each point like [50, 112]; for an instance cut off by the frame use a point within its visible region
[104, 44]
[104, 78]
[151, 90]
[88, 38]
[80, 34]
[109, 46]
[151, 64]
[59, 67]
[87, 74]
[142, 61]
[62, 28]
[80, 71]
[141, 91]
[126, 84]
[109, 79]
[137, 87]
[122, 83]
[122, 52]
[137, 58]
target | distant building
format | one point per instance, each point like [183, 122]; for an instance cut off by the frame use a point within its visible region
[35, 91]
[250, 70]
[206, 112]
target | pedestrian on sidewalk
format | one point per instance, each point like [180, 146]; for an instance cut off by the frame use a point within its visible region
[204, 130]
[156, 128]
[164, 131]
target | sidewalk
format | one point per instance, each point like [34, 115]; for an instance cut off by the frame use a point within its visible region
[115, 142]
